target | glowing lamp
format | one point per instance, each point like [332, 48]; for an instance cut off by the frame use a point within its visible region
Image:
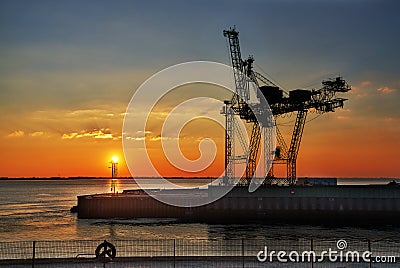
[114, 159]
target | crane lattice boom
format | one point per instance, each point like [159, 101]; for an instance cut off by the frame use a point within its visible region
[280, 102]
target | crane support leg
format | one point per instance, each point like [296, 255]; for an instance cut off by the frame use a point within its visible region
[281, 156]
[295, 145]
[253, 151]
[229, 146]
[283, 150]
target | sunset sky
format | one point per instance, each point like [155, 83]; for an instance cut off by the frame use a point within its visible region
[68, 70]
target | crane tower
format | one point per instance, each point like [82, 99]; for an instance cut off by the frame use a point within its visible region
[300, 101]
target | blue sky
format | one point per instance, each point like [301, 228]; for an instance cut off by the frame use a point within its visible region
[353, 37]
[297, 42]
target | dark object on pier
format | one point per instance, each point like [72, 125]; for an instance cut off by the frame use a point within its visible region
[74, 209]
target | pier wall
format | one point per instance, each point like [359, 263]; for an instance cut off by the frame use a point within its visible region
[288, 203]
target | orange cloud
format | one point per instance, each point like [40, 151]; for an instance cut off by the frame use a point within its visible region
[341, 117]
[36, 134]
[17, 133]
[366, 83]
[359, 92]
[385, 90]
[103, 133]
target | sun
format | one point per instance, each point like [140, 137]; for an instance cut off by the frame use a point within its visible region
[114, 159]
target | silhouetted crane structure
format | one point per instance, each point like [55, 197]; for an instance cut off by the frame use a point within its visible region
[301, 101]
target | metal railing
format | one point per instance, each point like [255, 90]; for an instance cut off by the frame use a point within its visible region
[239, 252]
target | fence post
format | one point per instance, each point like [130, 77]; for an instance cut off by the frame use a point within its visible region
[369, 249]
[33, 253]
[242, 252]
[312, 249]
[174, 251]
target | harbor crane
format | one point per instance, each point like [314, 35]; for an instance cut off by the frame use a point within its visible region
[299, 101]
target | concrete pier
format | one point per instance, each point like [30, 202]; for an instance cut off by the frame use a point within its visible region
[354, 203]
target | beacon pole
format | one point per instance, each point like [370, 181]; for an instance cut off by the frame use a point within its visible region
[114, 172]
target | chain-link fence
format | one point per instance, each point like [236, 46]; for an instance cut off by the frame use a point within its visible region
[201, 253]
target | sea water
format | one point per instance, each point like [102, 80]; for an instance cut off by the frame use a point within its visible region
[33, 210]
